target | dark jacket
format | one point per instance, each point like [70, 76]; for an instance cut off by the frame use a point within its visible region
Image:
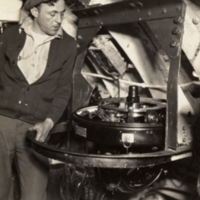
[48, 96]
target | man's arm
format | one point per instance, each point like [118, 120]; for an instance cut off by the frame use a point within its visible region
[60, 100]
[2, 49]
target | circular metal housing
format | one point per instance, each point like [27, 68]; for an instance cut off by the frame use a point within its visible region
[142, 136]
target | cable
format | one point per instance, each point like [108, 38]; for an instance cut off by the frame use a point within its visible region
[143, 85]
[124, 81]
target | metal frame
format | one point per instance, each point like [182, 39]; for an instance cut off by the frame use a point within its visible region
[165, 20]
[158, 14]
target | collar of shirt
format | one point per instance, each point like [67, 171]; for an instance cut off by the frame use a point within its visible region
[27, 23]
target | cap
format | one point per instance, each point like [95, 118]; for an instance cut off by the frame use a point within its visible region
[29, 4]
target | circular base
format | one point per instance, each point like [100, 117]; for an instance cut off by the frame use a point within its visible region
[109, 161]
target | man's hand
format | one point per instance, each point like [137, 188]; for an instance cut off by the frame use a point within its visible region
[42, 129]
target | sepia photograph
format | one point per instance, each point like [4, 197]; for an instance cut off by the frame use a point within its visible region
[99, 99]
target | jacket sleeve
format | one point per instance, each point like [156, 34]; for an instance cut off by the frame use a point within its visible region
[2, 49]
[63, 91]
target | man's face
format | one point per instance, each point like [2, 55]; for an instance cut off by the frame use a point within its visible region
[49, 17]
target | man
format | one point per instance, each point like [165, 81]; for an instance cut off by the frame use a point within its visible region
[36, 63]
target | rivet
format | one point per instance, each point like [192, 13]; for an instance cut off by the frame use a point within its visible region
[80, 37]
[184, 140]
[140, 19]
[162, 52]
[164, 11]
[173, 43]
[154, 148]
[178, 20]
[139, 4]
[178, 8]
[78, 46]
[176, 31]
[165, 172]
[195, 21]
[132, 5]
[166, 59]
[101, 23]
[149, 14]
[184, 128]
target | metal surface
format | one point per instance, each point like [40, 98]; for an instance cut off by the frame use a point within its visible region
[84, 37]
[139, 11]
[157, 14]
[81, 88]
[172, 94]
[109, 125]
[111, 161]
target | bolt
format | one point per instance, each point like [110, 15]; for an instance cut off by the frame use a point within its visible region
[80, 37]
[164, 11]
[184, 140]
[173, 43]
[154, 148]
[176, 31]
[132, 5]
[165, 172]
[149, 14]
[139, 4]
[195, 21]
[178, 20]
[162, 52]
[166, 59]
[184, 127]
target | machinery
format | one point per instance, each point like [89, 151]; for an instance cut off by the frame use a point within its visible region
[132, 110]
